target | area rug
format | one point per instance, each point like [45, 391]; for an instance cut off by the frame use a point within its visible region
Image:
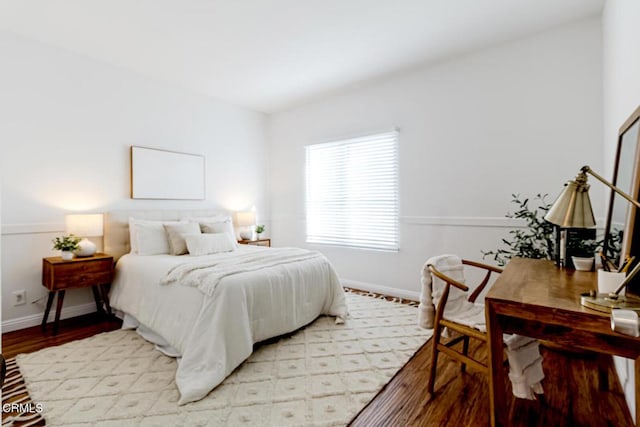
[321, 375]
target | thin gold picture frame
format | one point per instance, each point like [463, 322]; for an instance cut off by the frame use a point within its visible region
[158, 174]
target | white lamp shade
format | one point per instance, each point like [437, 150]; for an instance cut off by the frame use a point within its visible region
[84, 225]
[245, 219]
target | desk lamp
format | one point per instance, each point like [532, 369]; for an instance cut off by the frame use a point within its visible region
[572, 208]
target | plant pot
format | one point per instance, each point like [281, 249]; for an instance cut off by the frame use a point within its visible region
[582, 263]
[66, 255]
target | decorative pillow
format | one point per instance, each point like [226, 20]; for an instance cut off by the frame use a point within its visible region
[212, 243]
[225, 226]
[175, 232]
[148, 237]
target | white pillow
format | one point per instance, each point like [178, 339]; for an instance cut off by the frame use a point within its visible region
[225, 226]
[212, 218]
[175, 236]
[148, 237]
[212, 243]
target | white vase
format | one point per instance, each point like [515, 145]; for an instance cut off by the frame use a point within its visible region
[247, 234]
[66, 255]
[582, 263]
[85, 248]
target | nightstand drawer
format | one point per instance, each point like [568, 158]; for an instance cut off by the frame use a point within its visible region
[80, 280]
[77, 274]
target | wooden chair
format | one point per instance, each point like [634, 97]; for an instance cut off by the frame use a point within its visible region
[464, 332]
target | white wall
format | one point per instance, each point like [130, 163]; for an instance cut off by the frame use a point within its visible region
[66, 125]
[521, 117]
[621, 77]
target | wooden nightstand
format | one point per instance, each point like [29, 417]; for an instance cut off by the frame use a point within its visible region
[258, 242]
[58, 276]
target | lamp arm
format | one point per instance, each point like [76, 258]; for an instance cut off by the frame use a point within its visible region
[587, 169]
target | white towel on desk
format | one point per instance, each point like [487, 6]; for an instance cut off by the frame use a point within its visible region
[525, 362]
[525, 365]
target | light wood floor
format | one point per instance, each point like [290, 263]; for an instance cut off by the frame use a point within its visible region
[571, 394]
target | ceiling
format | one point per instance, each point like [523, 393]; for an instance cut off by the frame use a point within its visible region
[270, 55]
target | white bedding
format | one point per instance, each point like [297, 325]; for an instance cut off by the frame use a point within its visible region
[214, 334]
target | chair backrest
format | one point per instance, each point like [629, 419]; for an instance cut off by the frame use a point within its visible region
[434, 287]
[451, 269]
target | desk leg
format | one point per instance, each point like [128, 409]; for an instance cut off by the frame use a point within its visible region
[497, 399]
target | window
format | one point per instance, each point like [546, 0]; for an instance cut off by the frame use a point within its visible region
[352, 192]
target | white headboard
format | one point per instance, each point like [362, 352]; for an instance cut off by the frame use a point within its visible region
[116, 225]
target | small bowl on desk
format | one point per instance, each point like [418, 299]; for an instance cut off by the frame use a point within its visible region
[582, 264]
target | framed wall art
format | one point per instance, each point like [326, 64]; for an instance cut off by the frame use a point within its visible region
[164, 174]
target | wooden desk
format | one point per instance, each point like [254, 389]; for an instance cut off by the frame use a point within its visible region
[537, 299]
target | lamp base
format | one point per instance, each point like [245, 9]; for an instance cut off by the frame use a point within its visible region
[608, 302]
[85, 248]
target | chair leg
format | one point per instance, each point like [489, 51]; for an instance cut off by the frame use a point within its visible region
[434, 358]
[465, 350]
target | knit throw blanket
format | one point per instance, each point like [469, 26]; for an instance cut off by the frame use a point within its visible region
[206, 272]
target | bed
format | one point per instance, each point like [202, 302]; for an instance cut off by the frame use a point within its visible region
[212, 328]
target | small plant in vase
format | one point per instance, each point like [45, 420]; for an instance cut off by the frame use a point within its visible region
[259, 230]
[66, 244]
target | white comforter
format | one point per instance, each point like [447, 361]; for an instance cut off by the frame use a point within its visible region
[214, 334]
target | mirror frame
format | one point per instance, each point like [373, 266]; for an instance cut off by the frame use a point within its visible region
[630, 244]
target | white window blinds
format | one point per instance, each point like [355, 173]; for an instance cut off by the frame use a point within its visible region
[352, 192]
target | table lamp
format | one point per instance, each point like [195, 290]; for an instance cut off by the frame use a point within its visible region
[84, 225]
[572, 209]
[246, 220]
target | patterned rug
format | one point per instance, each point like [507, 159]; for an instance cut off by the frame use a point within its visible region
[321, 375]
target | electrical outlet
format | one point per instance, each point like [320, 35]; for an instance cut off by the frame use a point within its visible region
[19, 297]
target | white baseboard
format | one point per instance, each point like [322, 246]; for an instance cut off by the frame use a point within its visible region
[36, 319]
[385, 290]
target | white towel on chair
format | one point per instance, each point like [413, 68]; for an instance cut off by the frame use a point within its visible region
[458, 308]
[432, 288]
[525, 362]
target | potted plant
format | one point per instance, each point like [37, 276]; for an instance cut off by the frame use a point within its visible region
[66, 244]
[535, 240]
[583, 253]
[259, 230]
